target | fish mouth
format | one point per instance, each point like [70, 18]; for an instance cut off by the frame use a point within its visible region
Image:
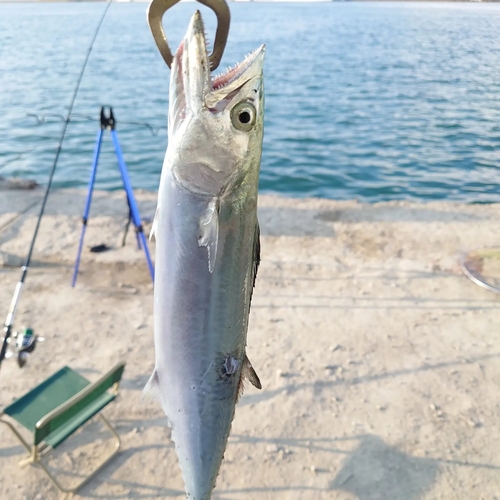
[192, 85]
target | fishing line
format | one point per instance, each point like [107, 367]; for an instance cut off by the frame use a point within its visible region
[17, 157]
[24, 270]
[43, 119]
[48, 117]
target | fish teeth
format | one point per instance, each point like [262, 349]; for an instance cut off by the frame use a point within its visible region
[207, 41]
[243, 65]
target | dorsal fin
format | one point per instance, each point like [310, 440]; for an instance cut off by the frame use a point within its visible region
[255, 257]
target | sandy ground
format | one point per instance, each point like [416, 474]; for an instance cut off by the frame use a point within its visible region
[379, 359]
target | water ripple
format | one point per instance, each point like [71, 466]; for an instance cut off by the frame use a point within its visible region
[374, 101]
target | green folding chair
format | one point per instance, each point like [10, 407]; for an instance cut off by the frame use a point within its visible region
[57, 408]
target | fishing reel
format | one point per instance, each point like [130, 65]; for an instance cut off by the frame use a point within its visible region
[24, 343]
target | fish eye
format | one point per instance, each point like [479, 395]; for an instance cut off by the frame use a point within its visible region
[243, 116]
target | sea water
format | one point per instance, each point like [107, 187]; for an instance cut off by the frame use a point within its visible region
[368, 101]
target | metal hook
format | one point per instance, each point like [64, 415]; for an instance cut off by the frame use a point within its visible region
[157, 9]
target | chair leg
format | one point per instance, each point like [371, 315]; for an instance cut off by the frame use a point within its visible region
[29, 448]
[34, 456]
[94, 471]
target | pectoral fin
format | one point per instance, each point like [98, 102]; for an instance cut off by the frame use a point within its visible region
[209, 231]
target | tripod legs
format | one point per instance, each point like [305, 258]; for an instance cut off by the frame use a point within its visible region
[127, 226]
[86, 211]
[136, 219]
[133, 210]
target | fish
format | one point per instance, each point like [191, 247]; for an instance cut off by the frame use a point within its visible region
[207, 253]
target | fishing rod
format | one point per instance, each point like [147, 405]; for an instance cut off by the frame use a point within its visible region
[26, 341]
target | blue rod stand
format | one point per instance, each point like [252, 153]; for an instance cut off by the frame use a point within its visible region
[109, 123]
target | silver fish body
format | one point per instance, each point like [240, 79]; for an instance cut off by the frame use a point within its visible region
[207, 253]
